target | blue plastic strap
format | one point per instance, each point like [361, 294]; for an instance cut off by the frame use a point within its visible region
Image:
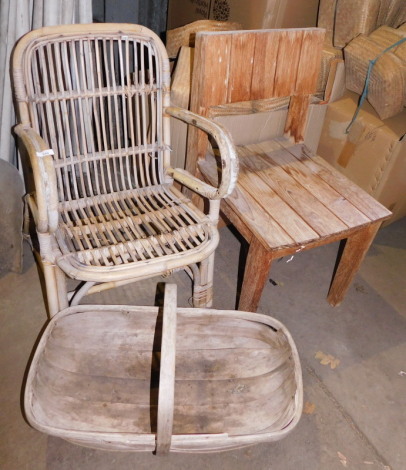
[366, 86]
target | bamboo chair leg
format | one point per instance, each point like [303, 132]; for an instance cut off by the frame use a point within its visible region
[60, 278]
[51, 288]
[203, 290]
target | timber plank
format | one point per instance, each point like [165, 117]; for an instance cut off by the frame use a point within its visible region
[327, 195]
[287, 62]
[265, 55]
[209, 87]
[241, 71]
[274, 205]
[349, 190]
[263, 226]
[296, 120]
[304, 203]
[309, 61]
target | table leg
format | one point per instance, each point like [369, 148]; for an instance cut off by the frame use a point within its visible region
[355, 249]
[255, 276]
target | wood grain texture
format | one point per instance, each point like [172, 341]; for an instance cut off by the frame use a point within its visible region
[309, 61]
[166, 394]
[249, 65]
[355, 248]
[264, 66]
[241, 70]
[287, 200]
[297, 117]
[290, 44]
[256, 272]
[93, 379]
[349, 190]
[186, 35]
[209, 86]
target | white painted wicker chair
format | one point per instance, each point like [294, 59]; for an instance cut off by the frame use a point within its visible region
[93, 105]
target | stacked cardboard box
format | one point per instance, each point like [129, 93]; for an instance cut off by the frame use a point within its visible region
[372, 153]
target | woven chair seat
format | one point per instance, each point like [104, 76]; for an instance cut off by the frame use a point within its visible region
[139, 226]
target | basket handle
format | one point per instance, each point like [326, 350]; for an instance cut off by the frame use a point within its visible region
[166, 393]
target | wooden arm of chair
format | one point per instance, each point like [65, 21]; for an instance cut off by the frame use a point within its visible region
[46, 197]
[228, 155]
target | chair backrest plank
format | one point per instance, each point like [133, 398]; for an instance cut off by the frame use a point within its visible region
[236, 66]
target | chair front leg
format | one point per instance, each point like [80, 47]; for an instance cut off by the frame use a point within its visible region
[55, 278]
[203, 285]
[50, 287]
[61, 287]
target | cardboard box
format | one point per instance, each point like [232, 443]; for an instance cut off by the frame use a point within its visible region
[265, 119]
[254, 125]
[255, 14]
[372, 154]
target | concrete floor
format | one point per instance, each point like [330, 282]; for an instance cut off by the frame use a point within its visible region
[355, 413]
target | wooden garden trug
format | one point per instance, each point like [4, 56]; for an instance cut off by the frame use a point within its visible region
[177, 379]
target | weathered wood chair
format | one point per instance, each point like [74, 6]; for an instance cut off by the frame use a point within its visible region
[286, 199]
[93, 104]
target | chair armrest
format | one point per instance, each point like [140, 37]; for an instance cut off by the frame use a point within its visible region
[42, 164]
[228, 155]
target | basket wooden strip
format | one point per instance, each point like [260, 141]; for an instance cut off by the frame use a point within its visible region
[185, 35]
[166, 394]
[94, 378]
[354, 17]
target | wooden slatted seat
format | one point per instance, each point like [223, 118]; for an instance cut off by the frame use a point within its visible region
[93, 105]
[286, 199]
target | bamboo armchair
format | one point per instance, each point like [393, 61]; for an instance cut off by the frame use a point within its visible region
[93, 104]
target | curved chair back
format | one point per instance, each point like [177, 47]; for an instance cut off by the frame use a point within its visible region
[96, 98]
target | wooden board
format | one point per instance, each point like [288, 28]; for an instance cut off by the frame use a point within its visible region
[250, 65]
[288, 196]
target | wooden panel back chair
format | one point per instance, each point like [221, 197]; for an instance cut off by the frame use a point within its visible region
[93, 104]
[286, 199]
